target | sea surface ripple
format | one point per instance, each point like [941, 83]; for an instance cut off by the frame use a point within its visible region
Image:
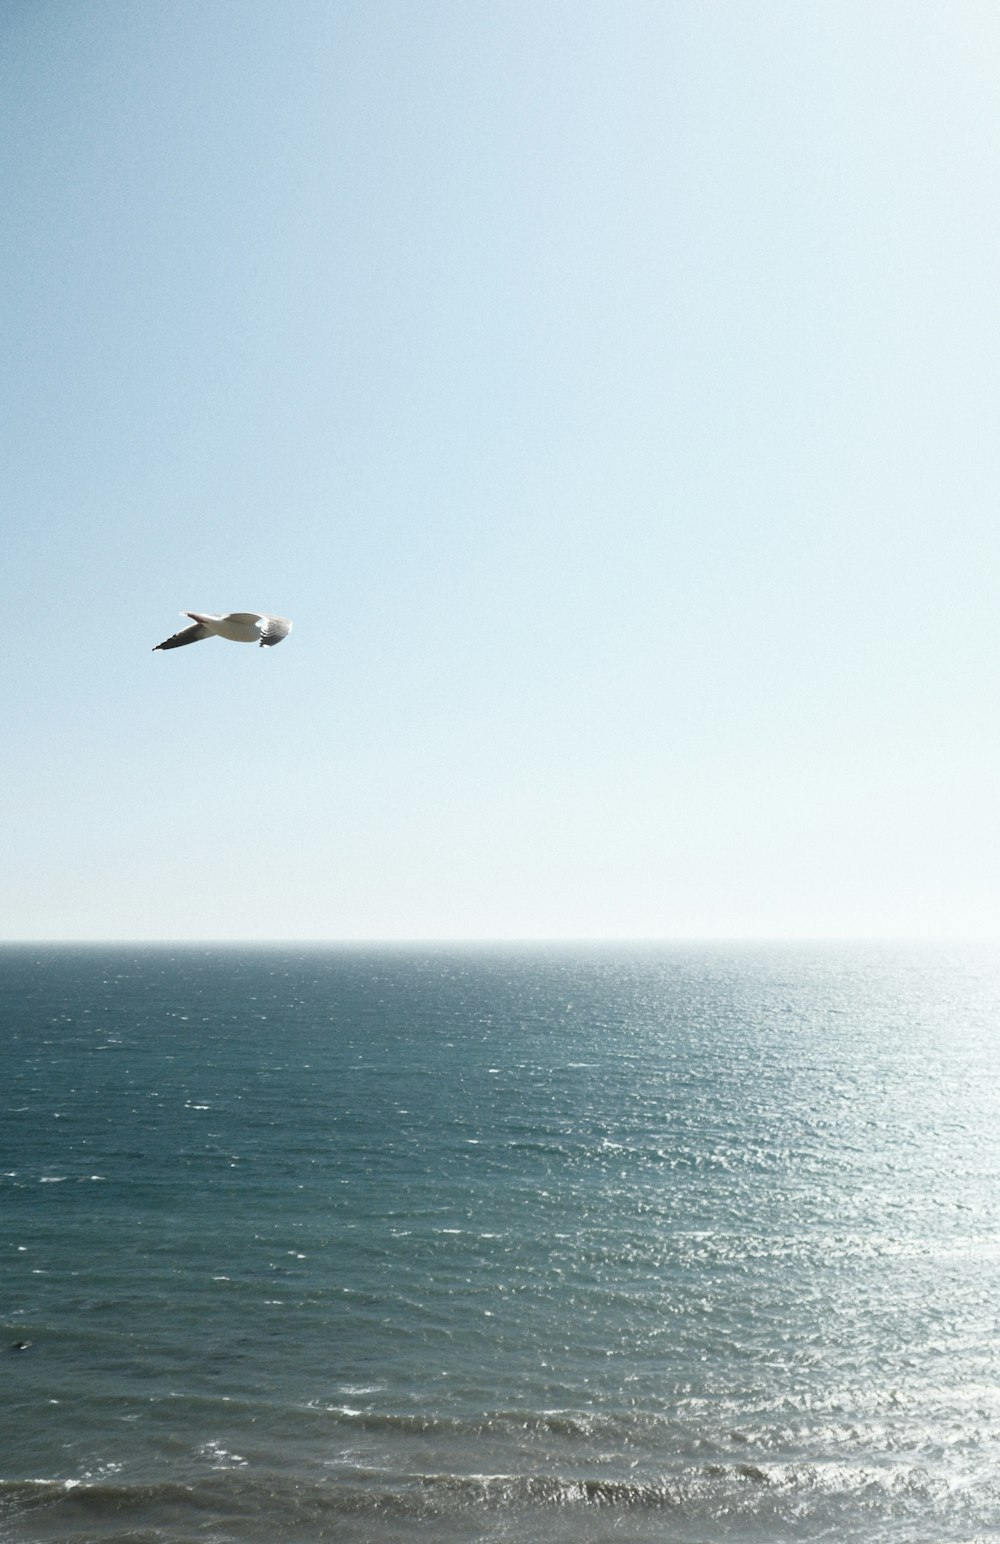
[681, 1244]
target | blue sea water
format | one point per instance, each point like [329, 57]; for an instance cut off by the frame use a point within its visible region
[609, 1244]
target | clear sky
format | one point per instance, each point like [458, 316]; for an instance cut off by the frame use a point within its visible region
[609, 391]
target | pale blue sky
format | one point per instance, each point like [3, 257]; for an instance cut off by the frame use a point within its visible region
[609, 392]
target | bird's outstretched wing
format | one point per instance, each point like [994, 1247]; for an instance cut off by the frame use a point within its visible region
[186, 635]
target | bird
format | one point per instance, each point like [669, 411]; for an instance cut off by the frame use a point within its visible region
[237, 626]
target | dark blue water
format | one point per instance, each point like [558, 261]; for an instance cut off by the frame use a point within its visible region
[611, 1244]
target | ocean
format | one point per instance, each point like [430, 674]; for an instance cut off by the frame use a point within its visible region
[660, 1245]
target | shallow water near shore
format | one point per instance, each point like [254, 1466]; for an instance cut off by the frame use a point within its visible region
[679, 1243]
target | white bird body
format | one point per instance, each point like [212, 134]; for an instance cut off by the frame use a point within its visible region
[237, 626]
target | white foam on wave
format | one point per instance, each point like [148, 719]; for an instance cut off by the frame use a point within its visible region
[221, 1457]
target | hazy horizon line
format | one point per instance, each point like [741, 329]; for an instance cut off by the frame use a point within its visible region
[505, 941]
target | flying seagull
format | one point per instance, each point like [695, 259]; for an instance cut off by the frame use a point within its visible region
[238, 626]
